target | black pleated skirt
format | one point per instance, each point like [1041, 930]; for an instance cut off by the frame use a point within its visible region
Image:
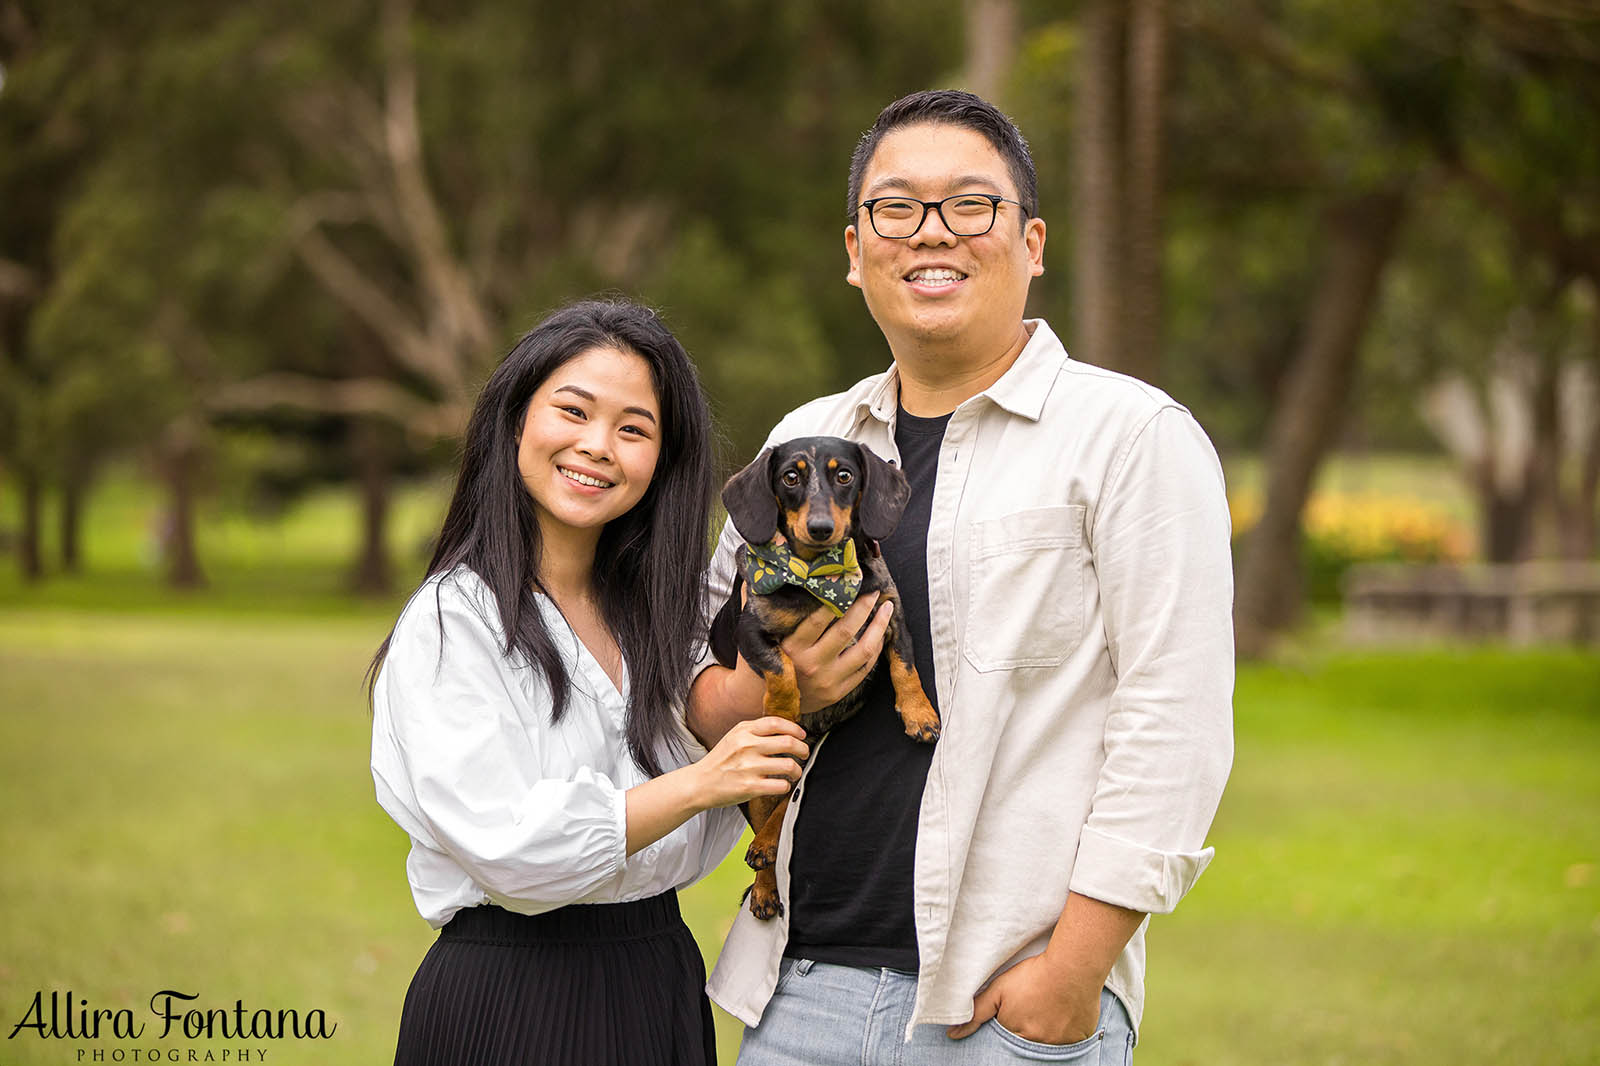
[605, 984]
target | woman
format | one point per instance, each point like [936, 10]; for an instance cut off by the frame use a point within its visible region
[527, 728]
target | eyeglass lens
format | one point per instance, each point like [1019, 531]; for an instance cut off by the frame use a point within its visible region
[964, 216]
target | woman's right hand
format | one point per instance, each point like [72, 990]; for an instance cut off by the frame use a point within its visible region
[759, 757]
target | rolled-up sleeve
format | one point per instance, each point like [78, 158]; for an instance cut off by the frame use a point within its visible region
[1160, 541]
[456, 766]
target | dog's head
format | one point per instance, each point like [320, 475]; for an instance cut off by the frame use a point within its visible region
[816, 491]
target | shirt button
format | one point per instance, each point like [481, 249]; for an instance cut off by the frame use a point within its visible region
[794, 797]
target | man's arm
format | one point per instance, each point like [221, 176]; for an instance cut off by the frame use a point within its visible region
[1160, 542]
[720, 699]
[1159, 537]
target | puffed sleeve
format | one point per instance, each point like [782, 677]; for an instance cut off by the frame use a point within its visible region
[456, 760]
[1160, 542]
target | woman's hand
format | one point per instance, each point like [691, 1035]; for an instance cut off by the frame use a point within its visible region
[760, 757]
[754, 758]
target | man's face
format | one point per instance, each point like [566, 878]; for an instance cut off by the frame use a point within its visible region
[934, 287]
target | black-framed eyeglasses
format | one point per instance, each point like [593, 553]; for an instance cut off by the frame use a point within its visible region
[966, 214]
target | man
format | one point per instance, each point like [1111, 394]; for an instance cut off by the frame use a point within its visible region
[1064, 570]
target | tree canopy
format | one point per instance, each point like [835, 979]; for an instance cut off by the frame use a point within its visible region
[321, 223]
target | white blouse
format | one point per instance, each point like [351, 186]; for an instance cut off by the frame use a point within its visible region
[501, 805]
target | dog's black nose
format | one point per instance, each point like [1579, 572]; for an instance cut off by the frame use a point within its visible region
[819, 531]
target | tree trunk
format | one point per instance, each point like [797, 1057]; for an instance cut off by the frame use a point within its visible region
[1360, 236]
[1096, 200]
[1544, 465]
[30, 557]
[180, 462]
[372, 575]
[992, 36]
[74, 487]
[1142, 299]
[1507, 521]
[1578, 533]
[1581, 396]
[1578, 539]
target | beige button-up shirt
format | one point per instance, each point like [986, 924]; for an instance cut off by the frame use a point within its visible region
[1080, 591]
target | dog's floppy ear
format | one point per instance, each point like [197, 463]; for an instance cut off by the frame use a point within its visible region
[750, 502]
[884, 494]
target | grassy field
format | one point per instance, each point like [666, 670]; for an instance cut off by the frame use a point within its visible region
[1406, 866]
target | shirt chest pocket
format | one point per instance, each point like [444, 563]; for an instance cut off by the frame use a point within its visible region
[1025, 597]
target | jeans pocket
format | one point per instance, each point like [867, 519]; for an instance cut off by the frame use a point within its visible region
[1085, 1050]
[788, 969]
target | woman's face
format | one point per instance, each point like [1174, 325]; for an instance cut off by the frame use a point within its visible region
[590, 439]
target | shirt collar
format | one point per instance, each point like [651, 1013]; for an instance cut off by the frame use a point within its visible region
[883, 399]
[1025, 387]
[1021, 390]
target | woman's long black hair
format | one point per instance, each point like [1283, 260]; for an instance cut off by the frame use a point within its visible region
[649, 569]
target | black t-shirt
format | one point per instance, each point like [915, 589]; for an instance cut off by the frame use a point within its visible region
[855, 838]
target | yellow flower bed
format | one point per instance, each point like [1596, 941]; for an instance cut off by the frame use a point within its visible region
[1343, 528]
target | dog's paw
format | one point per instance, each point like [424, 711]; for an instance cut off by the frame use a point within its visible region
[760, 858]
[921, 722]
[917, 713]
[765, 905]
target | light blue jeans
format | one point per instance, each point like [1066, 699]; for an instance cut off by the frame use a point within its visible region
[826, 1015]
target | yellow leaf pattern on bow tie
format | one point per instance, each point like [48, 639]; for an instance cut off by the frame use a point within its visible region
[834, 578]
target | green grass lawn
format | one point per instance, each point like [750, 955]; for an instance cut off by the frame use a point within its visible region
[1405, 873]
[1406, 868]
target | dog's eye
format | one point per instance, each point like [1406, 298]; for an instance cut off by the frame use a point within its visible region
[791, 478]
[844, 477]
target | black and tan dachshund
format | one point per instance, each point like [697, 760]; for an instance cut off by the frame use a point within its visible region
[811, 512]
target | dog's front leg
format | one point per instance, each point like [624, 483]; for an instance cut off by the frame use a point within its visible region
[763, 850]
[763, 854]
[917, 713]
[782, 697]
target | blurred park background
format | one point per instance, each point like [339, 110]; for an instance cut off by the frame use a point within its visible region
[255, 260]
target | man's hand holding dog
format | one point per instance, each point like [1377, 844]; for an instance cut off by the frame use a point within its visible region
[829, 660]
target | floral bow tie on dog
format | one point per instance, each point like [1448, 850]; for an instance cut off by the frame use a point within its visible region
[834, 577]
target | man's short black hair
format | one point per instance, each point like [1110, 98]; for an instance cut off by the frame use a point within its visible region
[951, 107]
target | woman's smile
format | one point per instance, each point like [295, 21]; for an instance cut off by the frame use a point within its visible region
[586, 480]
